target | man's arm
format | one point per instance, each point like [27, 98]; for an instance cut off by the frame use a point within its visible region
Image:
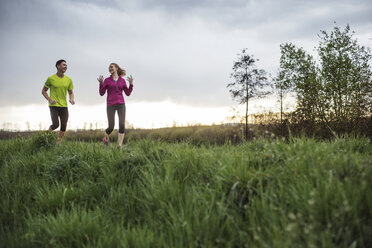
[45, 94]
[72, 97]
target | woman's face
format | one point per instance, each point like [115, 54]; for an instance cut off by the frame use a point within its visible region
[112, 69]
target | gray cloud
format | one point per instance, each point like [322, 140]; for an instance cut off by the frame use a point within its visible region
[179, 50]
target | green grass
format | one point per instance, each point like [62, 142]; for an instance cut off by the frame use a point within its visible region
[303, 193]
[215, 134]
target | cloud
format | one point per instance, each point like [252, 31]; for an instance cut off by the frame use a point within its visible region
[177, 50]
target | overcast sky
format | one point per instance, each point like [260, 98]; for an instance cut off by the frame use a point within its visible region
[180, 51]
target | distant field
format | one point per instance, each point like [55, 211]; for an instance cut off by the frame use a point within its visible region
[218, 134]
[264, 193]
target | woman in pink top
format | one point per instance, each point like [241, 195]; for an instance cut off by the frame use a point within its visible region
[115, 85]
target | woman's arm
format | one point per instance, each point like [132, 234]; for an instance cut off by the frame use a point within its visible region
[102, 85]
[45, 94]
[129, 90]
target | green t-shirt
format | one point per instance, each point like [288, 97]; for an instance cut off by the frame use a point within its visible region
[58, 89]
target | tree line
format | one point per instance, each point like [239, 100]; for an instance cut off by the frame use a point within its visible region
[332, 92]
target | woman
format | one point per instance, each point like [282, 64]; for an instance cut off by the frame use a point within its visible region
[59, 84]
[115, 85]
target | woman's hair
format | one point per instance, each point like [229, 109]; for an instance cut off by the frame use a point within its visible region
[121, 72]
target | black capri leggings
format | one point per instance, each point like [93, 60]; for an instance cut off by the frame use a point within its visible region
[111, 117]
[62, 113]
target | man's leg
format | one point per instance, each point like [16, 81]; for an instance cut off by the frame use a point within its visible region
[63, 115]
[54, 117]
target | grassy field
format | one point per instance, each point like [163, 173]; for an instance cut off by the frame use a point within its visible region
[300, 193]
[217, 134]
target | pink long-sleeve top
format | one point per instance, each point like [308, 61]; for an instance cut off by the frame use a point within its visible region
[115, 90]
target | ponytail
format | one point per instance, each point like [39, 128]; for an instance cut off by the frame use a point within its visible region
[121, 72]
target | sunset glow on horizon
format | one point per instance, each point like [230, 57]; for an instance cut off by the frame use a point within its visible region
[139, 115]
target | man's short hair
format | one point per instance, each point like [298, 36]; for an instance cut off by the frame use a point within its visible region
[60, 61]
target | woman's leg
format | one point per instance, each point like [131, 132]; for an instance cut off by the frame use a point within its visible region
[121, 113]
[111, 122]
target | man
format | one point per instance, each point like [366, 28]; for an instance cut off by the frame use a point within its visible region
[59, 84]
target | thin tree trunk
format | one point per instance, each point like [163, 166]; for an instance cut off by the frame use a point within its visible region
[246, 121]
[246, 114]
[281, 110]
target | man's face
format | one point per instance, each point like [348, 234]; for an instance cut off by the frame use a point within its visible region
[62, 67]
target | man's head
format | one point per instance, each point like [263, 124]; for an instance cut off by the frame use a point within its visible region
[61, 65]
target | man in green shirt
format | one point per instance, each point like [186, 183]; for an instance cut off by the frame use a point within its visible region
[59, 84]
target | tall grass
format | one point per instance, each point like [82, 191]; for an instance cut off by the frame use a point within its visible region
[301, 193]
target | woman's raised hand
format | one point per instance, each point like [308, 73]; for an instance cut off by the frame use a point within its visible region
[130, 79]
[100, 79]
